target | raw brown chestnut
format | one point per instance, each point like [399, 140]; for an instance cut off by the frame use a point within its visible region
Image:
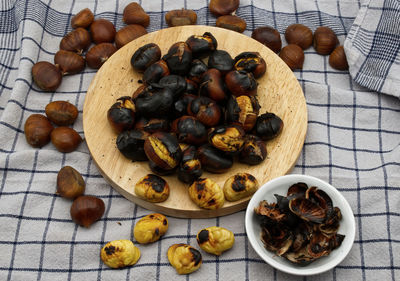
[87, 209]
[103, 31]
[214, 160]
[268, 36]
[254, 150]
[250, 62]
[131, 144]
[37, 130]
[155, 72]
[293, 56]
[241, 83]
[228, 138]
[65, 139]
[151, 125]
[181, 17]
[220, 60]
[163, 150]
[77, 41]
[231, 22]
[46, 75]
[325, 40]
[69, 62]
[268, 126]
[189, 130]
[242, 110]
[223, 7]
[129, 33]
[121, 115]
[155, 102]
[99, 54]
[134, 14]
[179, 58]
[61, 113]
[202, 45]
[82, 19]
[212, 85]
[197, 69]
[176, 83]
[300, 35]
[145, 56]
[338, 60]
[70, 183]
[206, 110]
[190, 166]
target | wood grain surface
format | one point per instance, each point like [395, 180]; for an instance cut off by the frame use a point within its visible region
[278, 92]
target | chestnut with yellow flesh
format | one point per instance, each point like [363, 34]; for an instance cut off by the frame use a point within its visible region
[227, 138]
[162, 152]
[152, 188]
[184, 258]
[240, 186]
[120, 253]
[206, 194]
[150, 228]
[215, 239]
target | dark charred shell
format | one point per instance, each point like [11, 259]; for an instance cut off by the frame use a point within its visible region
[197, 69]
[254, 150]
[212, 85]
[320, 198]
[268, 126]
[202, 46]
[155, 102]
[301, 257]
[203, 236]
[297, 190]
[130, 144]
[145, 56]
[228, 138]
[190, 130]
[181, 105]
[220, 60]
[242, 110]
[155, 72]
[176, 83]
[179, 58]
[337, 239]
[192, 87]
[121, 114]
[190, 168]
[250, 62]
[152, 125]
[206, 110]
[214, 160]
[141, 90]
[307, 210]
[157, 183]
[160, 171]
[196, 256]
[241, 83]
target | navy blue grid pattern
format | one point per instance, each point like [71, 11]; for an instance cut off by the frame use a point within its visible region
[352, 142]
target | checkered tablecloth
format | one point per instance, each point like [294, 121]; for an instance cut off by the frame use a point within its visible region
[352, 142]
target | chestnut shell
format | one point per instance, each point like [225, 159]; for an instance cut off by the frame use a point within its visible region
[131, 144]
[214, 160]
[156, 102]
[268, 126]
[145, 56]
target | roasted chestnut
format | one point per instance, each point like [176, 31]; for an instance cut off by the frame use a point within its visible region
[206, 194]
[212, 85]
[268, 126]
[151, 125]
[197, 69]
[131, 144]
[155, 72]
[179, 58]
[241, 83]
[77, 40]
[184, 258]
[181, 17]
[150, 228]
[231, 22]
[268, 36]
[190, 166]
[223, 7]
[129, 33]
[102, 31]
[152, 188]
[163, 150]
[176, 83]
[250, 62]
[155, 102]
[69, 62]
[220, 60]
[206, 110]
[190, 130]
[228, 138]
[160, 171]
[215, 240]
[242, 110]
[214, 160]
[181, 105]
[191, 87]
[203, 45]
[121, 114]
[239, 186]
[145, 56]
[99, 54]
[254, 150]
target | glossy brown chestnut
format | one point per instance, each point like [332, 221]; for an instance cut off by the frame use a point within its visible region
[61, 113]
[293, 56]
[325, 40]
[181, 17]
[268, 126]
[228, 138]
[223, 7]
[241, 83]
[99, 54]
[189, 130]
[129, 33]
[131, 144]
[145, 56]
[220, 60]
[190, 167]
[268, 36]
[46, 76]
[250, 62]
[212, 85]
[102, 31]
[70, 183]
[163, 150]
[87, 209]
[152, 125]
[214, 160]
[155, 102]
[37, 130]
[179, 58]
[231, 22]
[202, 45]
[300, 35]
[206, 110]
[176, 83]
[254, 150]
[82, 19]
[69, 62]
[242, 110]
[77, 41]
[65, 139]
[121, 115]
[134, 14]
[181, 105]
[197, 69]
[338, 60]
[155, 72]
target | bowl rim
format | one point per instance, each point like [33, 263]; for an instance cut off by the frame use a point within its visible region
[262, 252]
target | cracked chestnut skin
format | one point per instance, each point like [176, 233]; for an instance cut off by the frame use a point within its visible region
[190, 166]
[179, 58]
[155, 102]
[176, 83]
[121, 115]
[155, 72]
[131, 144]
[241, 83]
[228, 138]
[268, 126]
[212, 85]
[220, 60]
[214, 160]
[206, 110]
[145, 56]
[197, 69]
[151, 125]
[202, 45]
[254, 150]
[250, 62]
[181, 105]
[242, 110]
[190, 130]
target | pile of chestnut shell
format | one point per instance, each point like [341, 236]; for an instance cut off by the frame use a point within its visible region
[301, 226]
[196, 109]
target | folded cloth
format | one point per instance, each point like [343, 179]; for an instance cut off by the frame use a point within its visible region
[372, 46]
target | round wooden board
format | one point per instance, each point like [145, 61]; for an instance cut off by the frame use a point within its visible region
[278, 92]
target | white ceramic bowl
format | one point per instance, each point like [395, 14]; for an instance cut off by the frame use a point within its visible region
[280, 186]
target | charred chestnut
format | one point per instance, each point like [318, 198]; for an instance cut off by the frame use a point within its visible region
[179, 58]
[121, 115]
[228, 138]
[155, 102]
[197, 69]
[203, 45]
[241, 83]
[213, 159]
[254, 150]
[151, 125]
[206, 110]
[155, 72]
[191, 87]
[268, 126]
[152, 188]
[145, 56]
[190, 130]
[220, 60]
[242, 110]
[181, 105]
[131, 144]
[160, 171]
[250, 62]
[190, 167]
[212, 85]
[176, 83]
